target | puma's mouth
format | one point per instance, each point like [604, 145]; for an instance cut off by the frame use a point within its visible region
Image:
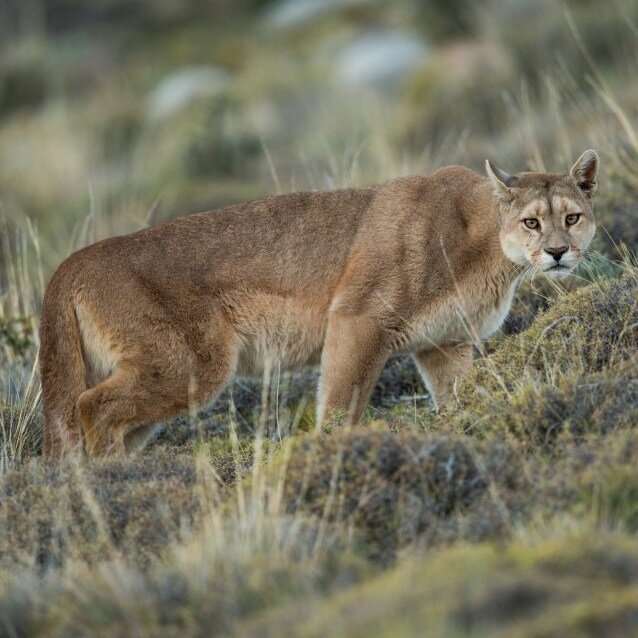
[558, 270]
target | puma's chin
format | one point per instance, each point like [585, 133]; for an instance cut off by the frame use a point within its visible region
[558, 271]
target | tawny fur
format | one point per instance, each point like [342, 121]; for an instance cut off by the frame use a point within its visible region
[137, 328]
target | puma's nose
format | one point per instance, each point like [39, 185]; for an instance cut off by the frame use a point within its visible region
[557, 253]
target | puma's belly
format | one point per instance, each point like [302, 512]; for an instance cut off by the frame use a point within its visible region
[275, 331]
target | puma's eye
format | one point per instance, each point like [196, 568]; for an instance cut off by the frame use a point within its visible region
[531, 223]
[570, 220]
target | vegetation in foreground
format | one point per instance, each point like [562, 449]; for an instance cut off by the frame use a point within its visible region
[513, 514]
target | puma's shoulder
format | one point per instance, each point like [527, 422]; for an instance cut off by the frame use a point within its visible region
[450, 179]
[449, 196]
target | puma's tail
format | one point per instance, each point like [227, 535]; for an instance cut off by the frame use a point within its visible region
[62, 368]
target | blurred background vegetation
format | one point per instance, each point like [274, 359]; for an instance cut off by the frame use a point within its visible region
[117, 113]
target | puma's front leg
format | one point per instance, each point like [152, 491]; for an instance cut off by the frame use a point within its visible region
[442, 369]
[353, 355]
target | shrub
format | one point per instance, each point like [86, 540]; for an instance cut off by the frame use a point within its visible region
[24, 80]
[574, 408]
[395, 488]
[52, 515]
[584, 332]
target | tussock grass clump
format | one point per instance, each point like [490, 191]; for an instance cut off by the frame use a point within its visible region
[21, 426]
[585, 332]
[394, 488]
[606, 480]
[533, 296]
[240, 565]
[570, 376]
[133, 507]
[576, 585]
[574, 409]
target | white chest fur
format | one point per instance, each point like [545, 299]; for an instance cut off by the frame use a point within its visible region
[469, 318]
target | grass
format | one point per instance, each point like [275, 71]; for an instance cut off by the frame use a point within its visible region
[512, 514]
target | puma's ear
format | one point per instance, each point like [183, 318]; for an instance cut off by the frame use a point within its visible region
[500, 180]
[585, 172]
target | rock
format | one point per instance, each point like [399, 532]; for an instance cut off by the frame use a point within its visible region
[379, 58]
[179, 89]
[286, 14]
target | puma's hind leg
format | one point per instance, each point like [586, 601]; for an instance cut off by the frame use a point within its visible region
[106, 411]
[118, 414]
[137, 437]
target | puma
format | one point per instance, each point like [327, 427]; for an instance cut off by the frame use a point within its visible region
[136, 328]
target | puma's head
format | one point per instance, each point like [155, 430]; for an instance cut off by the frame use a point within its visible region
[547, 219]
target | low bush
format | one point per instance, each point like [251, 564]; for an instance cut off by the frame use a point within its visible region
[397, 488]
[585, 332]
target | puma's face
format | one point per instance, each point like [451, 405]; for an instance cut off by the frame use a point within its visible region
[547, 220]
[550, 232]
